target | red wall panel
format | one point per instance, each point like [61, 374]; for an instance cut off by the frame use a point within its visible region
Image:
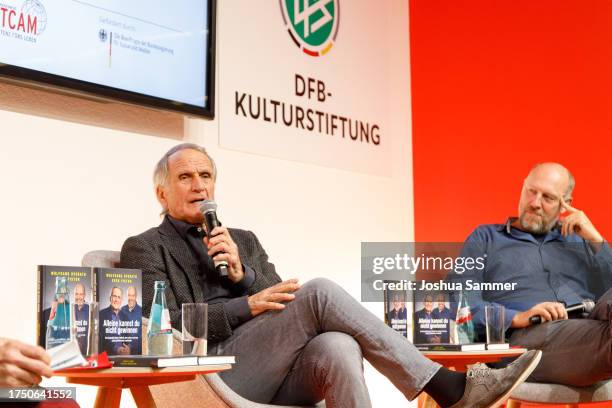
[498, 86]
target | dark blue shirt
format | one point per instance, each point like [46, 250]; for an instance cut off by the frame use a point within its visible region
[445, 313]
[217, 290]
[549, 268]
[134, 315]
[109, 341]
[126, 314]
[81, 317]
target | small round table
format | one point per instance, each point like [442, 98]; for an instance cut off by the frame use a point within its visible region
[111, 381]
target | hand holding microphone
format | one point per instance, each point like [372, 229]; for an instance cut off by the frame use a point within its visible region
[221, 246]
[583, 307]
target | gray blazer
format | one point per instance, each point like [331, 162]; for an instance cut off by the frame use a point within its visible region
[163, 254]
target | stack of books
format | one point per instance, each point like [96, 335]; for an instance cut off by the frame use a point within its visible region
[170, 361]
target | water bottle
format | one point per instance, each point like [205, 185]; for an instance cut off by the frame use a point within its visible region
[60, 316]
[159, 332]
[464, 324]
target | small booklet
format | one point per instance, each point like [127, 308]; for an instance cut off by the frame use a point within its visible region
[170, 361]
[66, 355]
[450, 347]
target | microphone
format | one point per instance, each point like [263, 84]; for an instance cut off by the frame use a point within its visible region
[208, 208]
[583, 307]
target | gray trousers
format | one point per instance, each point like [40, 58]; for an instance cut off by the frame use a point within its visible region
[314, 349]
[574, 352]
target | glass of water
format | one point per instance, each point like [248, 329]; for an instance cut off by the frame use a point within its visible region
[496, 327]
[195, 328]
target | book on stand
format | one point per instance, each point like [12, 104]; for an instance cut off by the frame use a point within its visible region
[64, 296]
[432, 318]
[119, 296]
[396, 313]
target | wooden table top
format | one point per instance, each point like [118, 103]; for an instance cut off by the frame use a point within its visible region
[125, 372]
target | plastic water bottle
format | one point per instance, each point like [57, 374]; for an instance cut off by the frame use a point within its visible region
[159, 332]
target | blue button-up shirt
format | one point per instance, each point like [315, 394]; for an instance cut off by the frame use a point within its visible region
[549, 268]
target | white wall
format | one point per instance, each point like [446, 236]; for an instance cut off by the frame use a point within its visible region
[68, 188]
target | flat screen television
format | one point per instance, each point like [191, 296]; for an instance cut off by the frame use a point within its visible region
[154, 53]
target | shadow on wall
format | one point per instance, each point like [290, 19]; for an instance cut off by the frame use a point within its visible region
[57, 104]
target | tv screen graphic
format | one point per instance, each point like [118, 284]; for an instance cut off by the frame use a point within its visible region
[153, 53]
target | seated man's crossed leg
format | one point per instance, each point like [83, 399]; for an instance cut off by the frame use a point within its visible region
[313, 349]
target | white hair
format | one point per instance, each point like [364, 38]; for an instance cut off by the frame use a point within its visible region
[160, 174]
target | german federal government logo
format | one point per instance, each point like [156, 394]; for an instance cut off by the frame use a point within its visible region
[312, 24]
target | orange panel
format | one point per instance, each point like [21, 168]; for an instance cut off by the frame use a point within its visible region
[498, 86]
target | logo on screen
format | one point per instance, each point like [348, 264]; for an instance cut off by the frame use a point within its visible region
[312, 24]
[103, 35]
[35, 15]
[31, 20]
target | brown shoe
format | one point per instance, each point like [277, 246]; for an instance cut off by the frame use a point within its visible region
[489, 388]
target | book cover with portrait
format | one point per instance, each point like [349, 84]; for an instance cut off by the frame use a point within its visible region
[64, 297]
[432, 317]
[119, 296]
[396, 313]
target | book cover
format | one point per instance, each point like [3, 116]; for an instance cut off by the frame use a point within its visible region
[119, 295]
[64, 296]
[396, 313]
[432, 317]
